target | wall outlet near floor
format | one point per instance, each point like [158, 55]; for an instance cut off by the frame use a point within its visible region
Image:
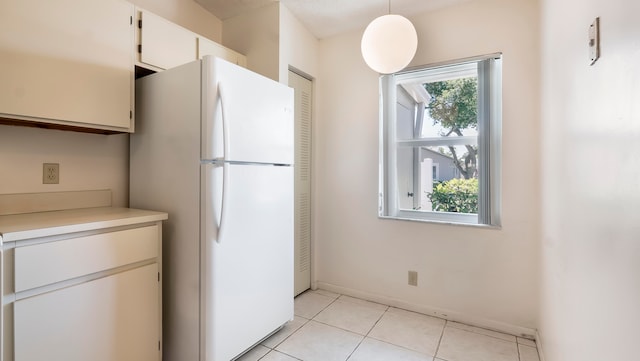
[413, 278]
[50, 173]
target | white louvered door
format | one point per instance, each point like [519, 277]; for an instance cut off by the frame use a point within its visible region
[302, 185]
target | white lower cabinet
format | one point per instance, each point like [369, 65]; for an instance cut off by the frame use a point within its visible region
[111, 318]
[86, 286]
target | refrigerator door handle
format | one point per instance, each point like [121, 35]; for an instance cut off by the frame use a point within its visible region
[225, 130]
[225, 166]
[225, 190]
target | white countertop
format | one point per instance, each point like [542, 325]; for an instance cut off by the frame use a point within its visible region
[42, 224]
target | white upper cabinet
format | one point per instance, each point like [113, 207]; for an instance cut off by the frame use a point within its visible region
[163, 44]
[67, 62]
[208, 47]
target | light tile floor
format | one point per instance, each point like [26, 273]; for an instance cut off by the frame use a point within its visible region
[332, 327]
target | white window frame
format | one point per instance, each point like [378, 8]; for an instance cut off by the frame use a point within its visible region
[489, 73]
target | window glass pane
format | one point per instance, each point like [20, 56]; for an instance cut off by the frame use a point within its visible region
[438, 178]
[441, 159]
[452, 110]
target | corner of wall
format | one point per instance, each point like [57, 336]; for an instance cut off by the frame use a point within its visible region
[299, 48]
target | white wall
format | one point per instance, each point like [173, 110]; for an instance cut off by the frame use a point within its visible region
[483, 276]
[590, 292]
[256, 34]
[87, 161]
[272, 39]
[298, 47]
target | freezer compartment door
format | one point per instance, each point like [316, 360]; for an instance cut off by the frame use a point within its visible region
[246, 116]
[248, 256]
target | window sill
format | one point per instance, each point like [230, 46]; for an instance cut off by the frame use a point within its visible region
[450, 223]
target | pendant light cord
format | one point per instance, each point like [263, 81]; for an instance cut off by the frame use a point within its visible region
[389, 7]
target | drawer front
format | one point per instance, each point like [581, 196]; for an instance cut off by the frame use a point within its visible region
[43, 264]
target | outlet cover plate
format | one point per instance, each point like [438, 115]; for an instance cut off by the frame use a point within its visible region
[50, 173]
[413, 278]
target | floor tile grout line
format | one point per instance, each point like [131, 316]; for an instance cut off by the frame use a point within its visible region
[518, 349]
[406, 348]
[429, 315]
[483, 334]
[294, 357]
[338, 327]
[284, 353]
[386, 310]
[307, 320]
[325, 307]
[460, 328]
[318, 292]
[401, 347]
[367, 334]
[362, 304]
[435, 354]
[376, 323]
[389, 343]
[291, 334]
[354, 350]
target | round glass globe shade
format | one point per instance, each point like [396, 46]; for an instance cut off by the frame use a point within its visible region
[389, 43]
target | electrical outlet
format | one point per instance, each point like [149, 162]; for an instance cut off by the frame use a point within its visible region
[50, 173]
[413, 278]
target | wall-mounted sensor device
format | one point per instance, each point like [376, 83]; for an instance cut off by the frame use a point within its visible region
[594, 41]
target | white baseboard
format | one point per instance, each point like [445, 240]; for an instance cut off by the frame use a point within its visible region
[431, 311]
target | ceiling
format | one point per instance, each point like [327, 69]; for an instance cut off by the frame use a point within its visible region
[325, 18]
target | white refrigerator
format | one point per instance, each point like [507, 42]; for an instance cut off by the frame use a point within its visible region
[213, 147]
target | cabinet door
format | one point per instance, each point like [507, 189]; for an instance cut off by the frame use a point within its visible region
[165, 44]
[208, 47]
[115, 318]
[67, 62]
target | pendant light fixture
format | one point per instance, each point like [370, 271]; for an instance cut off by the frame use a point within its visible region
[389, 43]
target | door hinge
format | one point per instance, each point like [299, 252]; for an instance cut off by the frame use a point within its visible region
[158, 276]
[130, 20]
[130, 114]
[140, 24]
[158, 345]
[139, 48]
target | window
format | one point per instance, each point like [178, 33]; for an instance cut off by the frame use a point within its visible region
[440, 142]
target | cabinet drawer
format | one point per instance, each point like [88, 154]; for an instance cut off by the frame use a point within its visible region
[42, 264]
